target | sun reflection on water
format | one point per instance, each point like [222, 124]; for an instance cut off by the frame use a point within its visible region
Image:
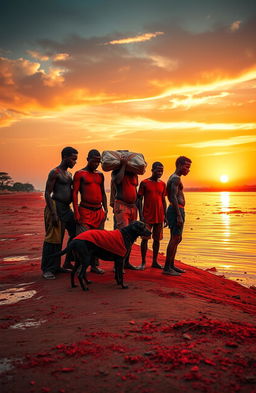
[225, 203]
[224, 199]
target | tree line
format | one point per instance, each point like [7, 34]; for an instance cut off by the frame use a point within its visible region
[7, 183]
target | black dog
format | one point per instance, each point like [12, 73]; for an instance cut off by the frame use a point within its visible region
[84, 251]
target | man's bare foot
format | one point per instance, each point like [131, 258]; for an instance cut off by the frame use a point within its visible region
[156, 265]
[177, 269]
[170, 272]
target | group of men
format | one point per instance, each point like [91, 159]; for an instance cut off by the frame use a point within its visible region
[91, 213]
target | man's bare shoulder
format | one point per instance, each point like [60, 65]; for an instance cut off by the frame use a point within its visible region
[173, 179]
[53, 172]
[81, 172]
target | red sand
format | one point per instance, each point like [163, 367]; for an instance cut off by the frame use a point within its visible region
[193, 333]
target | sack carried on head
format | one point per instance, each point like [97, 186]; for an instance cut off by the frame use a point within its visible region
[111, 160]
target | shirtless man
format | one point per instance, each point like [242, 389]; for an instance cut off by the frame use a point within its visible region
[175, 214]
[125, 209]
[92, 211]
[152, 192]
[57, 215]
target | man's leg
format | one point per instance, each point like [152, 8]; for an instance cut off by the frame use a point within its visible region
[157, 236]
[70, 226]
[123, 218]
[94, 260]
[143, 249]
[156, 245]
[131, 215]
[52, 244]
[170, 255]
[50, 265]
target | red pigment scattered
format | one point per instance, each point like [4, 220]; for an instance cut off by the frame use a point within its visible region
[194, 354]
[161, 293]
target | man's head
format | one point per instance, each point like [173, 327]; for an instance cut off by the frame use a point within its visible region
[94, 159]
[157, 169]
[69, 155]
[183, 165]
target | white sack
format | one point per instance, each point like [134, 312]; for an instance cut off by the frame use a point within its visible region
[111, 160]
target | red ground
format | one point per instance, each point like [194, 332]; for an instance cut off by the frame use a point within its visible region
[194, 333]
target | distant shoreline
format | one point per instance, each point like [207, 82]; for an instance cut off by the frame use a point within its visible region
[218, 189]
[187, 189]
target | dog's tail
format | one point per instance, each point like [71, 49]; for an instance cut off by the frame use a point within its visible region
[59, 253]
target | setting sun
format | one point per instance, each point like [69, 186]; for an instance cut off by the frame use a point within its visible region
[224, 178]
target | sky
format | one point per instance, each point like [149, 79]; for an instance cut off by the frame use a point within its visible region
[163, 78]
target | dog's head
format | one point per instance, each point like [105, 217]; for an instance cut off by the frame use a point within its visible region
[140, 228]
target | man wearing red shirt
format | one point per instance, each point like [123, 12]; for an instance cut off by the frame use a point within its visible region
[152, 191]
[92, 211]
[125, 209]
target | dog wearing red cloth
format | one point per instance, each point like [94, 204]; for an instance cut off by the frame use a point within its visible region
[105, 245]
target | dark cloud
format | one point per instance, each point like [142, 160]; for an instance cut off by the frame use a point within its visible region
[25, 21]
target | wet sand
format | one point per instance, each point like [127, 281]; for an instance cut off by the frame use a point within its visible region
[190, 333]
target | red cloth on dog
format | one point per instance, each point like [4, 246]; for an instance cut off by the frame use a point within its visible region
[108, 240]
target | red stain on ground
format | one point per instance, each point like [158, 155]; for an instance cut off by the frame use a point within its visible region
[195, 332]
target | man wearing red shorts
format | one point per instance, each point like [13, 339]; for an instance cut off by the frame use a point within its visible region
[152, 191]
[125, 209]
[92, 211]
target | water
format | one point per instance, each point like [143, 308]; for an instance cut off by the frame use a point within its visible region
[219, 232]
[15, 295]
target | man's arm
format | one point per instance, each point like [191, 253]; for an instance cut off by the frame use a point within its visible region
[119, 175]
[104, 197]
[48, 191]
[164, 206]
[76, 188]
[139, 201]
[172, 192]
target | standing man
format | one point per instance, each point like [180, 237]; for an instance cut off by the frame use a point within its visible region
[153, 191]
[57, 214]
[175, 213]
[92, 211]
[125, 209]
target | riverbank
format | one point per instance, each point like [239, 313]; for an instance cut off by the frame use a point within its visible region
[190, 333]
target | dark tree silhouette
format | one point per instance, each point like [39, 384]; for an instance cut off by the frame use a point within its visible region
[23, 187]
[5, 181]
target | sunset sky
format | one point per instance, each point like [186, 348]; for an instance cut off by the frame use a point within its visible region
[160, 77]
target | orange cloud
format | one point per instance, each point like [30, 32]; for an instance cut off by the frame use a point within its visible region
[61, 56]
[182, 71]
[37, 55]
[138, 38]
[235, 26]
[236, 140]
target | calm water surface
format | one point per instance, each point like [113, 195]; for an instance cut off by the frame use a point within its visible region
[219, 232]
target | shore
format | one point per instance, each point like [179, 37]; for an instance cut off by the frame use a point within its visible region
[190, 333]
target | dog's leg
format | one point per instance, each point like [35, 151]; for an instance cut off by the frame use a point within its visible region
[92, 258]
[73, 272]
[76, 266]
[119, 272]
[81, 277]
[85, 257]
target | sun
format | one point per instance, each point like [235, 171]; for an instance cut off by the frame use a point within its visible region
[224, 178]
